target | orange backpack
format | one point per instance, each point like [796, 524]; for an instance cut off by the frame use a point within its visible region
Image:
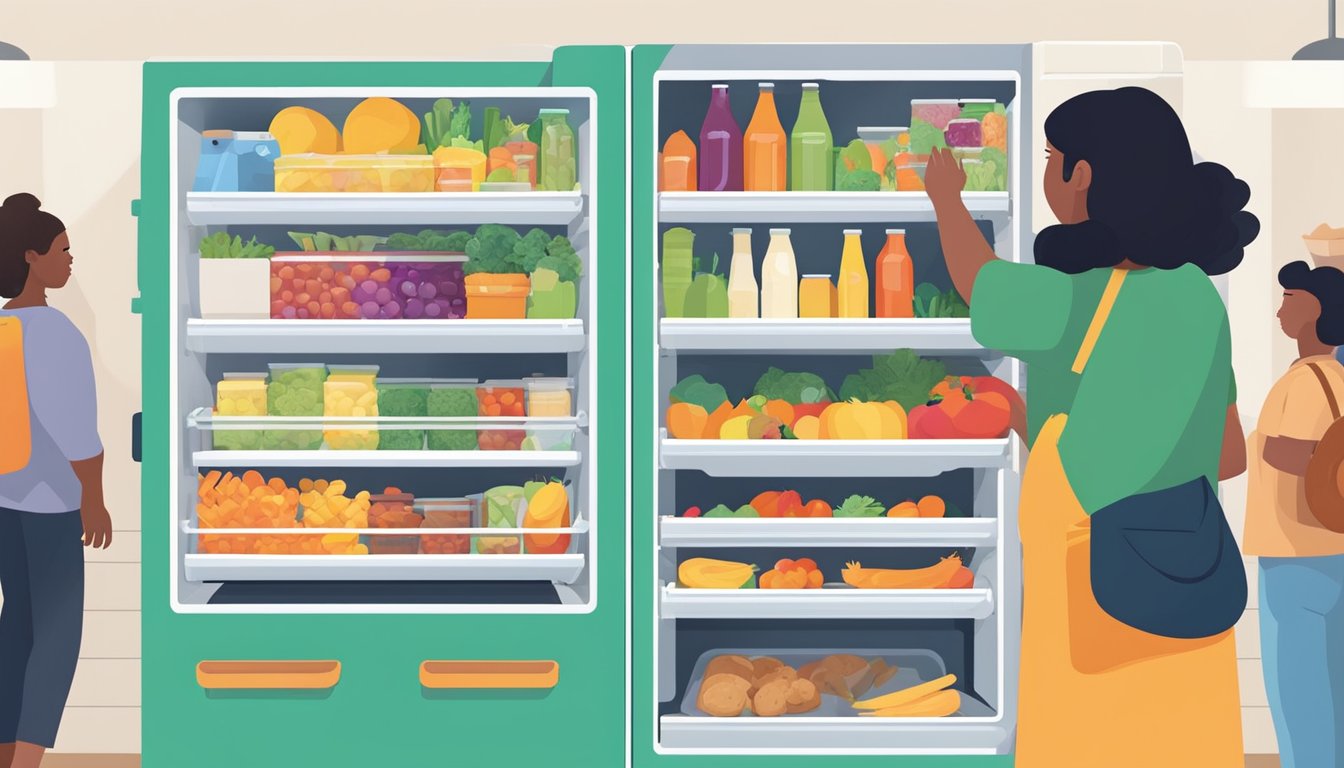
[17, 447]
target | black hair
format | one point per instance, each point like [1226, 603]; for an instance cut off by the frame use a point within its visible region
[1148, 202]
[24, 227]
[1327, 285]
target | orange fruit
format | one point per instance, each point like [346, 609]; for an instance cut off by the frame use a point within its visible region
[904, 509]
[932, 506]
[815, 580]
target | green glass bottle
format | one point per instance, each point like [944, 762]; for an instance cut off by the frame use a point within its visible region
[812, 166]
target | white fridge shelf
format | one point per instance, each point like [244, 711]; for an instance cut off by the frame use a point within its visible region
[387, 209]
[816, 207]
[385, 336]
[980, 733]
[832, 458]
[932, 336]
[677, 532]
[387, 459]
[827, 603]
[562, 569]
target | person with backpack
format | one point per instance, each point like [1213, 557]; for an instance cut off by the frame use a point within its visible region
[1301, 558]
[51, 482]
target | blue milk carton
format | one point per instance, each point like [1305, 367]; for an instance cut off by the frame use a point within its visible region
[236, 161]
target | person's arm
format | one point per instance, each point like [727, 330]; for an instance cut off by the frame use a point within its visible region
[1289, 454]
[92, 510]
[964, 247]
[1233, 460]
[1306, 416]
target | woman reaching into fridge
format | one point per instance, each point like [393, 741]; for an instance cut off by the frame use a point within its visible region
[1120, 289]
[51, 483]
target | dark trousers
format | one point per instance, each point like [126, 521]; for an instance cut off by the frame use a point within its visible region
[41, 621]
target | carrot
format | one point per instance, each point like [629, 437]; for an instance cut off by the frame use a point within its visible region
[933, 577]
[907, 696]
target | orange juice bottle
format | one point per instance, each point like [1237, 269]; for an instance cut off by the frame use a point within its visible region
[895, 278]
[853, 283]
[678, 164]
[816, 296]
[765, 146]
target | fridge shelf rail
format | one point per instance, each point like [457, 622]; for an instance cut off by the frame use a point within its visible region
[205, 419]
[560, 569]
[408, 337]
[384, 209]
[832, 458]
[817, 207]
[579, 528]
[675, 532]
[976, 731]
[387, 459]
[808, 336]
[836, 602]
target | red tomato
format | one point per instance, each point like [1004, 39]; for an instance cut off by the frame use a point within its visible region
[817, 508]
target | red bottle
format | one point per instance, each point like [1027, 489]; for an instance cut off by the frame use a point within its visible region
[895, 278]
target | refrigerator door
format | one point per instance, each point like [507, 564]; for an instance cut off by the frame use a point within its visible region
[364, 672]
[677, 628]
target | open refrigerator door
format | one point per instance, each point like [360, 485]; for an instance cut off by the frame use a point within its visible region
[828, 560]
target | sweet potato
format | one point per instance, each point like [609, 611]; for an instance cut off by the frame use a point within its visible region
[722, 695]
[772, 699]
[729, 664]
[803, 696]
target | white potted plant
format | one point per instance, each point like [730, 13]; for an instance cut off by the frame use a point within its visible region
[235, 278]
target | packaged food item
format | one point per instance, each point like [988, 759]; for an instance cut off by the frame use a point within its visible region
[225, 500]
[393, 509]
[963, 132]
[390, 286]
[743, 295]
[550, 397]
[678, 170]
[547, 507]
[239, 394]
[502, 507]
[986, 168]
[325, 505]
[354, 173]
[453, 398]
[910, 175]
[236, 161]
[497, 297]
[779, 278]
[928, 121]
[502, 398]
[458, 169]
[765, 164]
[883, 145]
[446, 513]
[853, 285]
[351, 391]
[895, 278]
[677, 268]
[295, 390]
[811, 146]
[817, 297]
[708, 294]
[402, 398]
[559, 151]
[720, 146]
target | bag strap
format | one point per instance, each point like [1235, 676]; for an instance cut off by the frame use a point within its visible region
[1099, 318]
[1329, 390]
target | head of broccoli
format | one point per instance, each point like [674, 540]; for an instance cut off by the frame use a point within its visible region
[492, 251]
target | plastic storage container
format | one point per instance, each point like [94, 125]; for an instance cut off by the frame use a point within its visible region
[928, 121]
[963, 132]
[402, 398]
[559, 151]
[458, 169]
[497, 297]
[501, 507]
[883, 144]
[502, 397]
[452, 398]
[817, 297]
[354, 173]
[239, 394]
[393, 510]
[910, 176]
[550, 397]
[236, 161]
[351, 391]
[388, 286]
[446, 513]
[295, 389]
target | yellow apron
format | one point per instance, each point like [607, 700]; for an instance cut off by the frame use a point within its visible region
[17, 444]
[1093, 692]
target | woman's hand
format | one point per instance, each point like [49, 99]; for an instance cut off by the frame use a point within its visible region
[944, 179]
[97, 525]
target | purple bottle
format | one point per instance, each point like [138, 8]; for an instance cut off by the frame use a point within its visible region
[720, 146]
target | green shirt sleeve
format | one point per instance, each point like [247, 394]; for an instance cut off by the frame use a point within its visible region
[1020, 309]
[1232, 387]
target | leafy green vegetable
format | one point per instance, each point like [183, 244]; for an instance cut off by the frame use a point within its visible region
[721, 510]
[561, 257]
[860, 506]
[854, 169]
[221, 246]
[492, 251]
[494, 128]
[930, 302]
[449, 126]
[994, 158]
[459, 125]
[794, 388]
[531, 249]
[708, 294]
[534, 136]
[430, 240]
[551, 298]
[514, 131]
[924, 137]
[902, 376]
[696, 391]
[746, 510]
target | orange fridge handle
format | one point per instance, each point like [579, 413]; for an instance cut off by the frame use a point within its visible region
[272, 675]
[489, 674]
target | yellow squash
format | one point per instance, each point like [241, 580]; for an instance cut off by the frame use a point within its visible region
[706, 573]
[855, 420]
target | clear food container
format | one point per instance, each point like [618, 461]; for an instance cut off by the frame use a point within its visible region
[502, 397]
[239, 394]
[986, 169]
[354, 173]
[386, 286]
[501, 507]
[963, 132]
[559, 151]
[446, 513]
[453, 398]
[351, 391]
[550, 397]
[393, 509]
[459, 169]
[295, 390]
[883, 145]
[404, 398]
[910, 176]
[928, 121]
